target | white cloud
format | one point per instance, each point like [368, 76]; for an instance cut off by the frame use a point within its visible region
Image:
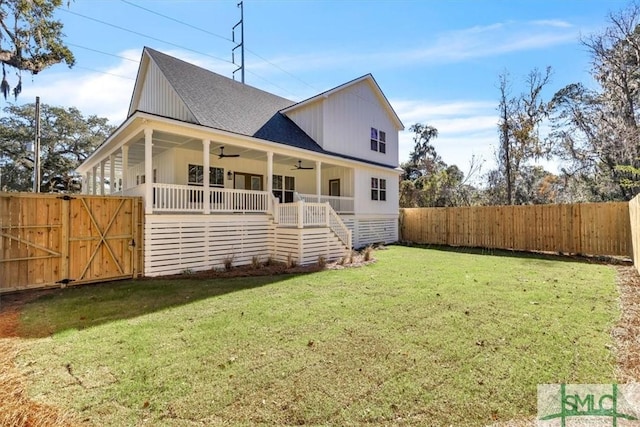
[106, 93]
[466, 128]
[448, 47]
[553, 23]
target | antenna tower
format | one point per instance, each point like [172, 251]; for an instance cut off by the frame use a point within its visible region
[239, 45]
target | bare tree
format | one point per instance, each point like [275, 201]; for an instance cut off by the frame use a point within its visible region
[596, 131]
[519, 124]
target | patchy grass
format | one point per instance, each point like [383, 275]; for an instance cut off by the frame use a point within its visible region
[422, 337]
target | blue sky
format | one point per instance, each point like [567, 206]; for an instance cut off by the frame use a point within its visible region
[437, 61]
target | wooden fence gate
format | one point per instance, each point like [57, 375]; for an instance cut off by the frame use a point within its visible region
[51, 240]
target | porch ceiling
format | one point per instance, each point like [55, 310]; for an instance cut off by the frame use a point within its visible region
[163, 141]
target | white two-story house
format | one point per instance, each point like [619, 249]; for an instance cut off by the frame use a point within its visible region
[232, 173]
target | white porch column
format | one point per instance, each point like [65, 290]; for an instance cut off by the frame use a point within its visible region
[94, 180]
[270, 172]
[124, 152]
[206, 164]
[318, 179]
[270, 206]
[112, 173]
[102, 164]
[86, 185]
[148, 171]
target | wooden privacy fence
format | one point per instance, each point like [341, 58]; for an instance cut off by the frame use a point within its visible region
[52, 240]
[586, 228]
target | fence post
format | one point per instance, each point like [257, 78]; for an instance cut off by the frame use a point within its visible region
[65, 218]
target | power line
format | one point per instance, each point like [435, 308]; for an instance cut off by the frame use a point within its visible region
[144, 35]
[177, 20]
[223, 38]
[102, 52]
[271, 83]
[183, 47]
[282, 69]
[103, 72]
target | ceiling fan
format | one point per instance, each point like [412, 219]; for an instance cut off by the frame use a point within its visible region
[222, 155]
[300, 167]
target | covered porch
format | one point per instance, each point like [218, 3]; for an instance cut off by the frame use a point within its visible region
[244, 176]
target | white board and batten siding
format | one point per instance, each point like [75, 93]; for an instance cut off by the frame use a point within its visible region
[342, 122]
[310, 119]
[364, 204]
[158, 97]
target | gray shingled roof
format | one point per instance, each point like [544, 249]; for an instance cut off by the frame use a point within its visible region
[222, 103]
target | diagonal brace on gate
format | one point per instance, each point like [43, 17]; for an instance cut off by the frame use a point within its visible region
[102, 238]
[28, 243]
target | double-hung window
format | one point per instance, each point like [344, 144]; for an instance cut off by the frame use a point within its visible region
[378, 189]
[378, 140]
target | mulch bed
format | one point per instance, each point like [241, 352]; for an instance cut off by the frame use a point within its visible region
[626, 333]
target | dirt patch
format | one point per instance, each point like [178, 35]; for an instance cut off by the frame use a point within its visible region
[10, 305]
[16, 408]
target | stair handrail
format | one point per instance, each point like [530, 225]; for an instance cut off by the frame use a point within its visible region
[338, 226]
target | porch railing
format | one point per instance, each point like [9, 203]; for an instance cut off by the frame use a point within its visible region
[339, 228]
[301, 214]
[187, 198]
[339, 204]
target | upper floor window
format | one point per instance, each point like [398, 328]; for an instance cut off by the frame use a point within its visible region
[378, 140]
[378, 189]
[216, 176]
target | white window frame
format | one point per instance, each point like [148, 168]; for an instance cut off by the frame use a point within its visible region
[283, 187]
[378, 140]
[200, 177]
[379, 189]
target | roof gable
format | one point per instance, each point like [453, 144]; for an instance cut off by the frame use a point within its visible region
[368, 78]
[218, 102]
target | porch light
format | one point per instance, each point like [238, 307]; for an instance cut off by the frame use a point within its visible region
[229, 175]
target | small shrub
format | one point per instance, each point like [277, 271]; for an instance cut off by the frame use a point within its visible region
[268, 262]
[342, 260]
[322, 262]
[368, 252]
[255, 262]
[187, 272]
[290, 261]
[352, 256]
[228, 263]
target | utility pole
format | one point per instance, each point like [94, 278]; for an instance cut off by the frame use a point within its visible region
[36, 150]
[239, 45]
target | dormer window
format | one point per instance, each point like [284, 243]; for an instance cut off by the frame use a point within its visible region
[378, 140]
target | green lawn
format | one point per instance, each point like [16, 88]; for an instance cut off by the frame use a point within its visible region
[422, 337]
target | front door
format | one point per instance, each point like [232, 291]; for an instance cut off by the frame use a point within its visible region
[334, 187]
